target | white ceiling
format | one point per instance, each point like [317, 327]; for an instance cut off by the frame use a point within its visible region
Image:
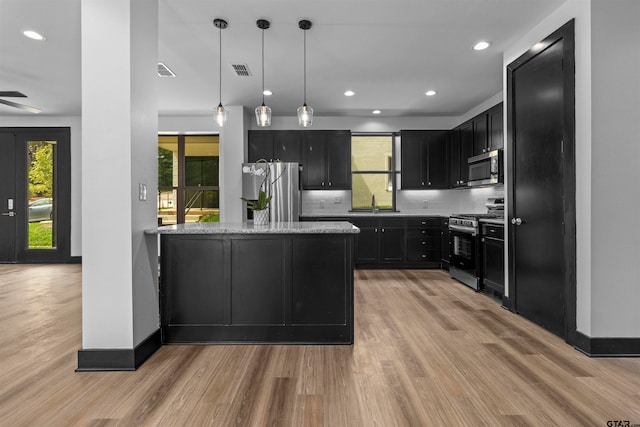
[388, 51]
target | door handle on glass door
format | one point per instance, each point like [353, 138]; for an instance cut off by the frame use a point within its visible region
[516, 221]
[8, 213]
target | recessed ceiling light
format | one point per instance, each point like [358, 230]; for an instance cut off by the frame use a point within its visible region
[481, 45]
[349, 93]
[376, 111]
[430, 92]
[34, 35]
[267, 92]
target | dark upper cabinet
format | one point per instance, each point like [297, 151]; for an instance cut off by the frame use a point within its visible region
[461, 142]
[488, 130]
[260, 145]
[495, 127]
[480, 138]
[438, 159]
[326, 160]
[339, 160]
[479, 135]
[424, 159]
[271, 145]
[287, 145]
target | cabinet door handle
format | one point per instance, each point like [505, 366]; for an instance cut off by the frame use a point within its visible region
[423, 222]
[424, 231]
[323, 184]
[329, 184]
[429, 182]
[424, 243]
[422, 182]
[376, 230]
[424, 256]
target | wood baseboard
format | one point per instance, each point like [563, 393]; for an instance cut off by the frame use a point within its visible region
[91, 360]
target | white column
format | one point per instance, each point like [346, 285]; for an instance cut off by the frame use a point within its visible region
[119, 150]
[232, 154]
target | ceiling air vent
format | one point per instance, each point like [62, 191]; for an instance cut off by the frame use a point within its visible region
[164, 71]
[241, 70]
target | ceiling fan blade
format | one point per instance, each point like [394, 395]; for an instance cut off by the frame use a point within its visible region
[20, 106]
[12, 94]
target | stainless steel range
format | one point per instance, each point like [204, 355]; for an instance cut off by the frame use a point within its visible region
[465, 243]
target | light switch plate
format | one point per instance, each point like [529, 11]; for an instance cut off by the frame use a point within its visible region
[142, 192]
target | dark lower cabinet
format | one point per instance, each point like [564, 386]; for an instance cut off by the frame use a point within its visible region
[367, 240]
[263, 304]
[423, 241]
[294, 288]
[319, 295]
[445, 243]
[391, 241]
[492, 244]
[395, 242]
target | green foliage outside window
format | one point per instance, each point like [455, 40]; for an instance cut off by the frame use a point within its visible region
[40, 169]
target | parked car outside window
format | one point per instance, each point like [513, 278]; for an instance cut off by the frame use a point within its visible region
[41, 210]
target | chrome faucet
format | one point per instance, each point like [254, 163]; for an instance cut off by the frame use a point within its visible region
[373, 203]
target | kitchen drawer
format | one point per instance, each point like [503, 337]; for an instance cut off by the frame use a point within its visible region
[427, 233]
[493, 230]
[422, 250]
[391, 222]
[433, 222]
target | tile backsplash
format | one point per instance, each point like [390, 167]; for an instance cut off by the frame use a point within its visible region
[427, 202]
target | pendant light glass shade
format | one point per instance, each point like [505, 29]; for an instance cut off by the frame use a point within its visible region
[263, 113]
[305, 113]
[222, 114]
[305, 116]
[263, 116]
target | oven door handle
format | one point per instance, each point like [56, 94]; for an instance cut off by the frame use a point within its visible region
[462, 229]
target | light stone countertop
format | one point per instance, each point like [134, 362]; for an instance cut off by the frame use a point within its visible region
[317, 227]
[399, 214]
[498, 221]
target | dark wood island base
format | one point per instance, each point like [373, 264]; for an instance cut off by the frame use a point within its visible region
[284, 283]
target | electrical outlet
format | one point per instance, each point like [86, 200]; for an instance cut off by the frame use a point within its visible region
[337, 200]
[425, 204]
[321, 204]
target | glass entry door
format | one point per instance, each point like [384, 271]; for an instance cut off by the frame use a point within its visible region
[35, 195]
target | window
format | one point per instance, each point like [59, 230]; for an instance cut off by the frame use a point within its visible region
[188, 179]
[372, 172]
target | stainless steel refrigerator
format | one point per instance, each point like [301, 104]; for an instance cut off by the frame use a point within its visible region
[283, 183]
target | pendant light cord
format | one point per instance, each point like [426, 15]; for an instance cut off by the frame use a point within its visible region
[263, 66]
[220, 65]
[305, 67]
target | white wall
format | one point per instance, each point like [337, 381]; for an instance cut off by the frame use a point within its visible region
[615, 199]
[580, 10]
[75, 125]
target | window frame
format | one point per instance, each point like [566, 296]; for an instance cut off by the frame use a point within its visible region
[182, 188]
[392, 173]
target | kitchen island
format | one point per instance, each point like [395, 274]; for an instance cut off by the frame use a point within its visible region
[285, 282]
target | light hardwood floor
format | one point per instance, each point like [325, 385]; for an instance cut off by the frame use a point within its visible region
[428, 352]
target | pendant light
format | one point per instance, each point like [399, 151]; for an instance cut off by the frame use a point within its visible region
[305, 113]
[263, 113]
[222, 114]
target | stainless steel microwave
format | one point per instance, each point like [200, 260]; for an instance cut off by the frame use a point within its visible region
[486, 169]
